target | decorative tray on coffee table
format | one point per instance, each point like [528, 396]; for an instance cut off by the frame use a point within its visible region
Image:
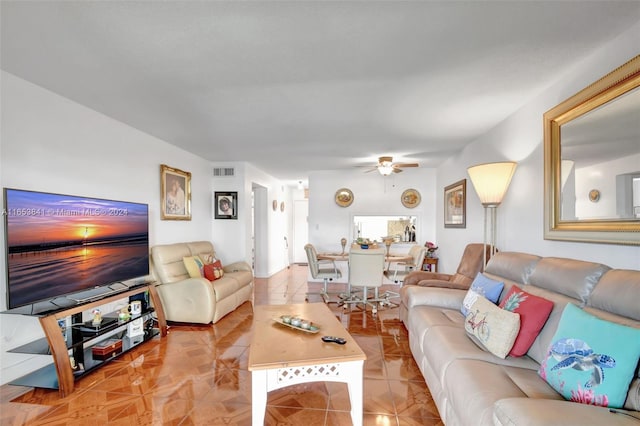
[297, 323]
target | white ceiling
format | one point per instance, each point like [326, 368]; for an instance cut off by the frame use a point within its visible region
[297, 86]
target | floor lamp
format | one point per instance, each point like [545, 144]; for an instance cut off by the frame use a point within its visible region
[491, 181]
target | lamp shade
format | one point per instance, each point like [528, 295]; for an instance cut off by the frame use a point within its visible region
[491, 181]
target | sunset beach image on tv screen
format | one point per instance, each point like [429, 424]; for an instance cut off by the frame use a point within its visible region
[59, 244]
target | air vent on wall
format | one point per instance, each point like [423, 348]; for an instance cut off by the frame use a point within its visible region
[224, 172]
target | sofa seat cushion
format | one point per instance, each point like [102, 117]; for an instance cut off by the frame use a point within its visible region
[443, 345]
[541, 412]
[225, 287]
[243, 278]
[473, 387]
[422, 318]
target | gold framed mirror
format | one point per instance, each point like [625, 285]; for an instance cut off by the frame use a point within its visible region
[592, 144]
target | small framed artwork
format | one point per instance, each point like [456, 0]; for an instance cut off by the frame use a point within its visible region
[455, 205]
[175, 193]
[226, 205]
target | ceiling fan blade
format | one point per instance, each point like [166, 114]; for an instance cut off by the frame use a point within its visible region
[397, 170]
[371, 170]
[406, 165]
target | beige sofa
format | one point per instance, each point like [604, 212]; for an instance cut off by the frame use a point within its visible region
[471, 386]
[198, 300]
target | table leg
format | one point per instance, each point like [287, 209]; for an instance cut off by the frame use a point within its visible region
[258, 396]
[355, 386]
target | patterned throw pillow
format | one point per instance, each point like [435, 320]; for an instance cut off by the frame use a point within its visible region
[533, 311]
[495, 328]
[590, 360]
[213, 271]
[194, 266]
[481, 286]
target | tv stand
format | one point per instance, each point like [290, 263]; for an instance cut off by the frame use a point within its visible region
[77, 343]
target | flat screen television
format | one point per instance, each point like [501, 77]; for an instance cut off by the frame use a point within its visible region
[71, 247]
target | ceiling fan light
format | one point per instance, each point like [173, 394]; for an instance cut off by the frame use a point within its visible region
[385, 169]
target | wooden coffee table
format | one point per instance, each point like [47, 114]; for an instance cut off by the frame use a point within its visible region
[280, 356]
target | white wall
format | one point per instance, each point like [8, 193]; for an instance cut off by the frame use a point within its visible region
[50, 143]
[520, 138]
[373, 194]
[232, 238]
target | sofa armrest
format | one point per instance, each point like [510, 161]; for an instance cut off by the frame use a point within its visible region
[190, 300]
[544, 412]
[432, 296]
[237, 266]
[416, 276]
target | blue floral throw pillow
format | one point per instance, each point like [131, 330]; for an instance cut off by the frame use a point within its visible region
[590, 360]
[481, 286]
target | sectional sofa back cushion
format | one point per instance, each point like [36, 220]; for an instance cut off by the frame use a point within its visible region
[168, 264]
[573, 278]
[618, 292]
[512, 266]
[168, 259]
[202, 249]
[590, 360]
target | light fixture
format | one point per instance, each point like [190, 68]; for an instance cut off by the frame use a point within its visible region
[491, 181]
[385, 167]
[300, 185]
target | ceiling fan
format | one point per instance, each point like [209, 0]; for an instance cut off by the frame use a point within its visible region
[386, 166]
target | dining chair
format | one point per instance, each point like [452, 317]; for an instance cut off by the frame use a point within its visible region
[366, 268]
[324, 269]
[417, 254]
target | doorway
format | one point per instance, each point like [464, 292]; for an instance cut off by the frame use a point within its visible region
[259, 231]
[300, 230]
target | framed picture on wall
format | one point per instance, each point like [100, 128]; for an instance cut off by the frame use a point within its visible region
[175, 194]
[226, 205]
[455, 205]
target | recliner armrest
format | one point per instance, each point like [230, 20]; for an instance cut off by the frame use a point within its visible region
[416, 276]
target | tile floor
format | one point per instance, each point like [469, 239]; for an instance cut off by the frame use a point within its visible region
[198, 375]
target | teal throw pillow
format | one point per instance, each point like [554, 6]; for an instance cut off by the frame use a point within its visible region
[590, 360]
[481, 286]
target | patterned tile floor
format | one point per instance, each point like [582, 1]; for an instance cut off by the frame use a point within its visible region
[198, 375]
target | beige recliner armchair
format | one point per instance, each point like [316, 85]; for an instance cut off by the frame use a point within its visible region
[198, 300]
[470, 265]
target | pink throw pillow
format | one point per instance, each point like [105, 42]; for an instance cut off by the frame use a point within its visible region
[533, 311]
